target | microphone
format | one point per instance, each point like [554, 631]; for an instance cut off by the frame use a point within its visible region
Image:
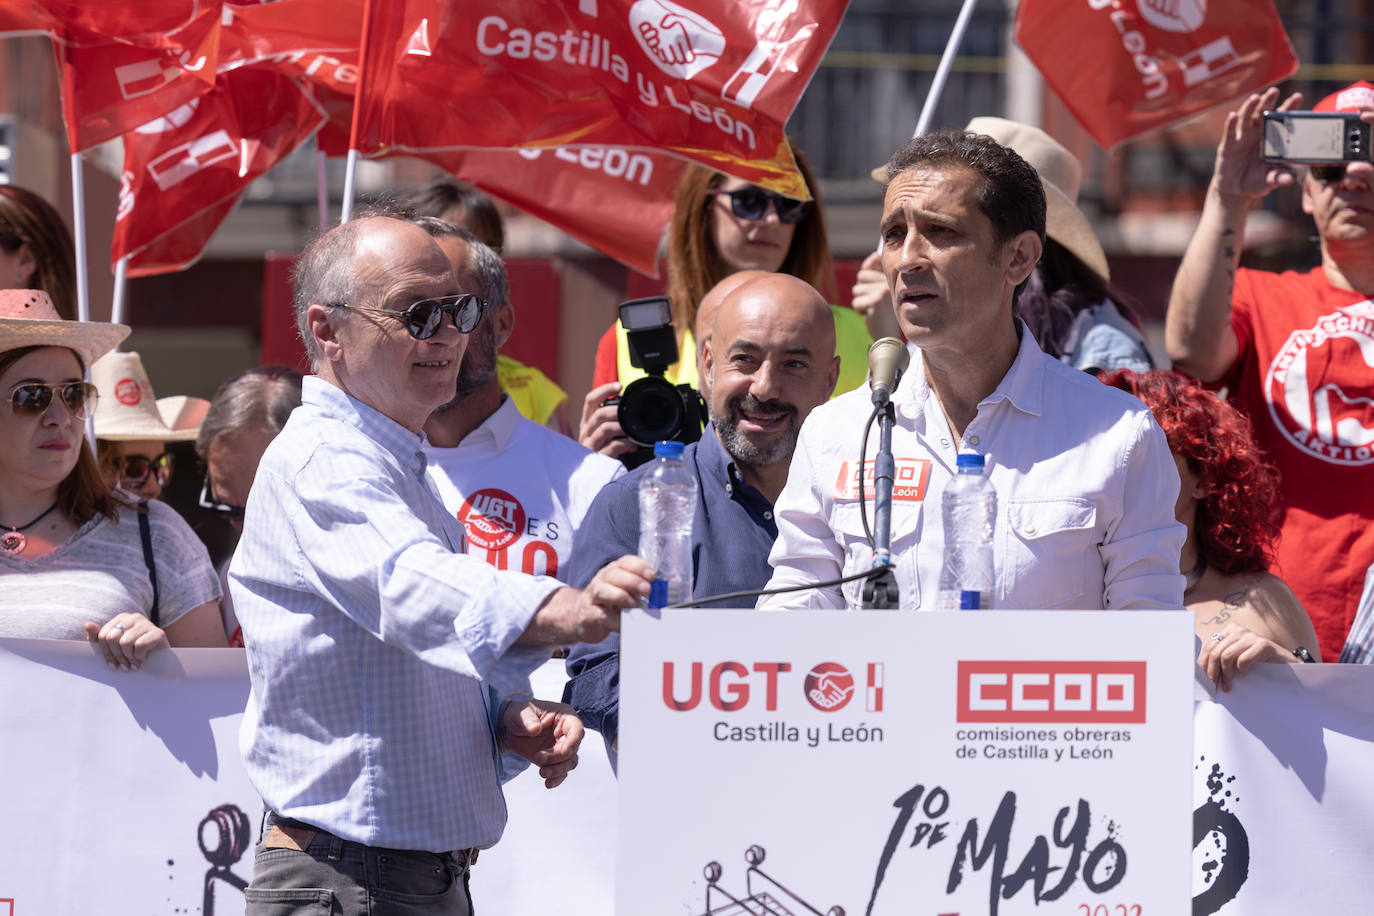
[887, 360]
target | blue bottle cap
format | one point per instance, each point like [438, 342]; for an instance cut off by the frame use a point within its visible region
[969, 460]
[670, 449]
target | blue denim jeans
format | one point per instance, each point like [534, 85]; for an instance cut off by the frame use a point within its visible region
[329, 876]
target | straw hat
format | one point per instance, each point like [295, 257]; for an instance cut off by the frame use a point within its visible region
[1060, 173]
[28, 319]
[127, 408]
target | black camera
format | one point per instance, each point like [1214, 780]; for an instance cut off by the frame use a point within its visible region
[653, 409]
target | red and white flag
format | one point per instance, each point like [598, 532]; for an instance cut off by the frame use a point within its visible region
[617, 200]
[183, 173]
[714, 83]
[1125, 67]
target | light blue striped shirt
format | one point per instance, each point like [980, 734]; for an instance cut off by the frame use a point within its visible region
[369, 635]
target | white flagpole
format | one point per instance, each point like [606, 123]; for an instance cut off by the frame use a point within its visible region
[937, 86]
[350, 170]
[83, 294]
[321, 186]
[117, 302]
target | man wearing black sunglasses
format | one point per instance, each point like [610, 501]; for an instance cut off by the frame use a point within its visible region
[1295, 350]
[386, 665]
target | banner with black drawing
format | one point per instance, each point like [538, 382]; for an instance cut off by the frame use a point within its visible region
[992, 763]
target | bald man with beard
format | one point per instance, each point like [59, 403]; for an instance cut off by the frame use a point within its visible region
[769, 362]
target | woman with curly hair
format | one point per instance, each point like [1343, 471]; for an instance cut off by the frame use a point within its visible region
[1228, 499]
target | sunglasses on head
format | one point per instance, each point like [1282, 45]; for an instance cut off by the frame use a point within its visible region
[32, 398]
[226, 511]
[135, 470]
[752, 204]
[422, 318]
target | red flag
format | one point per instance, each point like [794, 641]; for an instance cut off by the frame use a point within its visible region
[616, 200]
[183, 173]
[714, 84]
[122, 63]
[1124, 67]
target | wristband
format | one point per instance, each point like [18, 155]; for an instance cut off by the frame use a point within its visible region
[1306, 656]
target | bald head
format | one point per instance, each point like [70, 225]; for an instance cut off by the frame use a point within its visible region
[706, 317]
[770, 360]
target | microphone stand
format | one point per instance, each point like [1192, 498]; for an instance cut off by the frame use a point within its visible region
[880, 591]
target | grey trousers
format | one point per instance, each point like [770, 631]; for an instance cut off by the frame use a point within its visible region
[299, 870]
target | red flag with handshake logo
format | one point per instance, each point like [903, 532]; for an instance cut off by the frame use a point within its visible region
[1125, 67]
[714, 83]
[183, 173]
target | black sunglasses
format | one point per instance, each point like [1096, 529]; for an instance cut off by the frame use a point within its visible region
[752, 204]
[136, 469]
[32, 398]
[1328, 173]
[422, 318]
[228, 512]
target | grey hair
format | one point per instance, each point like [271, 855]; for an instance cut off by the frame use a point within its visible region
[259, 398]
[486, 265]
[324, 272]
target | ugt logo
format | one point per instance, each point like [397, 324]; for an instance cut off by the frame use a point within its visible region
[828, 686]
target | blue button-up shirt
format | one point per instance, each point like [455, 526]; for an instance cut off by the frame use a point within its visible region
[368, 636]
[732, 533]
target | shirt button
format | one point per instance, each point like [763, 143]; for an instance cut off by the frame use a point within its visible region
[1030, 530]
[768, 515]
[972, 440]
[729, 488]
[944, 442]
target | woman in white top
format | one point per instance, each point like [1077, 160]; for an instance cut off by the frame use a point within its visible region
[75, 561]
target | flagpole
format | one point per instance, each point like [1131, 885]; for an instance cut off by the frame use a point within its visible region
[355, 128]
[117, 301]
[321, 185]
[350, 169]
[83, 298]
[937, 86]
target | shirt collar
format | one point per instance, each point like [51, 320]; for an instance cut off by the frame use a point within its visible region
[1023, 385]
[500, 426]
[714, 460]
[334, 402]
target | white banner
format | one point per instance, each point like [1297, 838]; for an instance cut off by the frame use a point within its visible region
[124, 792]
[884, 763]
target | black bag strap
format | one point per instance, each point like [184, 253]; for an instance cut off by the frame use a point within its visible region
[145, 533]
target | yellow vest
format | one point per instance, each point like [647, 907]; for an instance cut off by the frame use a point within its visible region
[534, 393]
[851, 343]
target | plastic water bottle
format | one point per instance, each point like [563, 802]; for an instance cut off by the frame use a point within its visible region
[970, 513]
[667, 505]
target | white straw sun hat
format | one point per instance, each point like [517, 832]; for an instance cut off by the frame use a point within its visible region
[28, 319]
[129, 410]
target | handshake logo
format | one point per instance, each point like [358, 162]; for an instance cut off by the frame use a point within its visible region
[679, 41]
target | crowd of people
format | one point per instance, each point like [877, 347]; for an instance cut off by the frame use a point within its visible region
[419, 527]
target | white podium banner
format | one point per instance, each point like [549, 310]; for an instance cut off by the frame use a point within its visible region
[884, 763]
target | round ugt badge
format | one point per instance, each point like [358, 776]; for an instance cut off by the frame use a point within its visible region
[493, 518]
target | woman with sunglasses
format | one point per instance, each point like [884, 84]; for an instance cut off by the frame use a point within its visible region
[77, 561]
[721, 225]
[131, 432]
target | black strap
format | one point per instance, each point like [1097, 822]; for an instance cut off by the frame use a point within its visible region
[145, 533]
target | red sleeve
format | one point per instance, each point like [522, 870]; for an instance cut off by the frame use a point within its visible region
[606, 368]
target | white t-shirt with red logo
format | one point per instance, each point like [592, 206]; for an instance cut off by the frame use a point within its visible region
[1305, 377]
[519, 489]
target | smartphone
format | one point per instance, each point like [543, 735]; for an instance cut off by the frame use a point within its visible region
[1316, 137]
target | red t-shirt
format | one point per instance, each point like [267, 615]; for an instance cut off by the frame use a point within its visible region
[606, 369]
[1305, 377]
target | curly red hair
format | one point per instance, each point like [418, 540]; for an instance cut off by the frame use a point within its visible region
[1239, 516]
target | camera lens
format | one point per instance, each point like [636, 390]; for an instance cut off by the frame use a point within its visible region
[650, 411]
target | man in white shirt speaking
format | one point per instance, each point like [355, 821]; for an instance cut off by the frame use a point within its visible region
[1084, 478]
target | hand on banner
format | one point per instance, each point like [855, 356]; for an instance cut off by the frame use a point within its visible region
[1239, 168]
[591, 614]
[872, 299]
[126, 640]
[1235, 651]
[545, 733]
[600, 430]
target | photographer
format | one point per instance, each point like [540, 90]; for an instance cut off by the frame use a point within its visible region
[770, 361]
[1294, 350]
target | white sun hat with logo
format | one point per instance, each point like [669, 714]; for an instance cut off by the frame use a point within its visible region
[129, 410]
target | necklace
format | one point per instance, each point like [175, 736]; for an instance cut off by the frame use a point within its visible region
[1194, 575]
[12, 542]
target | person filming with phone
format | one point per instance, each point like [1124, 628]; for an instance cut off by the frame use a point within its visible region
[1295, 349]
